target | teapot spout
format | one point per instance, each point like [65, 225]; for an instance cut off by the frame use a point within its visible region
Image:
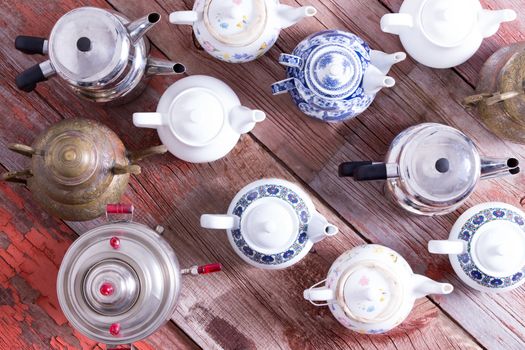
[157, 66]
[384, 61]
[423, 286]
[319, 228]
[494, 167]
[490, 20]
[374, 80]
[137, 29]
[243, 119]
[291, 15]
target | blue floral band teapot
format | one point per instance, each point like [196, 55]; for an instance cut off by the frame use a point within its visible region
[334, 75]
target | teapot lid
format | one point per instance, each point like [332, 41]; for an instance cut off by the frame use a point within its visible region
[370, 292]
[74, 161]
[196, 116]
[236, 23]
[89, 46]
[273, 218]
[495, 241]
[333, 71]
[439, 164]
[447, 23]
[118, 283]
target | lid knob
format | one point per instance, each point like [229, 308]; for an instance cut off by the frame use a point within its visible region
[107, 289]
[84, 44]
[442, 165]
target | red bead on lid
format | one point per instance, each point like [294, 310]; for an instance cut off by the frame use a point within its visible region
[209, 268]
[107, 289]
[114, 242]
[114, 329]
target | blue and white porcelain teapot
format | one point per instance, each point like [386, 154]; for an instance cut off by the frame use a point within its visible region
[334, 75]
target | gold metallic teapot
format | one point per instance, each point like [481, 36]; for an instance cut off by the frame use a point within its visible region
[78, 166]
[500, 94]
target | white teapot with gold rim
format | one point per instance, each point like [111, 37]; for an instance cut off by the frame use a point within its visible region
[372, 289]
[239, 31]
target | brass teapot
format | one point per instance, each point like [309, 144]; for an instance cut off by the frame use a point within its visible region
[500, 94]
[78, 166]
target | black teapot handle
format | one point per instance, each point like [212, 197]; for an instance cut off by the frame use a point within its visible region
[31, 45]
[27, 80]
[347, 169]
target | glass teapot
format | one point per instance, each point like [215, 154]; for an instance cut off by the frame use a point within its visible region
[120, 282]
[431, 169]
[239, 31]
[200, 119]
[371, 289]
[443, 33]
[334, 76]
[100, 54]
[500, 94]
[486, 247]
[77, 167]
[271, 224]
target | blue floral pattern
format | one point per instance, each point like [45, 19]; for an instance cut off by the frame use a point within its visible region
[346, 99]
[468, 232]
[290, 197]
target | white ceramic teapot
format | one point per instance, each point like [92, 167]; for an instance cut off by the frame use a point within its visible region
[443, 33]
[239, 31]
[486, 247]
[372, 289]
[271, 224]
[334, 75]
[200, 119]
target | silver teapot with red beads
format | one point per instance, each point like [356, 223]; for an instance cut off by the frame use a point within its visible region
[120, 282]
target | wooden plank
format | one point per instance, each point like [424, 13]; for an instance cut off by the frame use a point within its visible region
[32, 245]
[229, 310]
[312, 150]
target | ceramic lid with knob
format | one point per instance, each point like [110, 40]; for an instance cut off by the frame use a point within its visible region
[443, 33]
[271, 224]
[200, 119]
[89, 47]
[118, 283]
[237, 24]
[487, 247]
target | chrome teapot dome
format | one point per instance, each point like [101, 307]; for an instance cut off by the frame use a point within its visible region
[119, 282]
[431, 169]
[102, 55]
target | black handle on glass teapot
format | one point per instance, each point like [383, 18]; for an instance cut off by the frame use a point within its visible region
[368, 170]
[31, 45]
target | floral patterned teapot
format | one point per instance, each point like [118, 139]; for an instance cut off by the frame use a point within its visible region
[372, 289]
[443, 33]
[334, 76]
[486, 247]
[271, 224]
[239, 31]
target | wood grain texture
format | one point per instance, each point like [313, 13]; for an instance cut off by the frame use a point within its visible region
[265, 310]
[312, 150]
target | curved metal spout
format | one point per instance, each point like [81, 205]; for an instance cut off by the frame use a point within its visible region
[138, 28]
[157, 66]
[494, 167]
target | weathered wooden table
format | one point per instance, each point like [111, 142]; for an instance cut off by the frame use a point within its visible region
[246, 308]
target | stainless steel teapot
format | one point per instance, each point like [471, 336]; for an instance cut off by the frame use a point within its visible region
[101, 54]
[120, 282]
[431, 169]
